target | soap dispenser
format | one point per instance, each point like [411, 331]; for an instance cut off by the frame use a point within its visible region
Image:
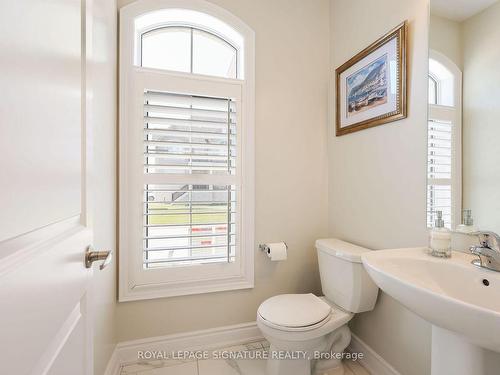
[440, 238]
[467, 225]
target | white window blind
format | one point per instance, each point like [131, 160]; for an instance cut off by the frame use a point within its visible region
[439, 171]
[189, 223]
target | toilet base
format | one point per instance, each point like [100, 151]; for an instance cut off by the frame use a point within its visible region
[304, 362]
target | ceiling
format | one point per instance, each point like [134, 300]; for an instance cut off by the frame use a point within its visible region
[459, 10]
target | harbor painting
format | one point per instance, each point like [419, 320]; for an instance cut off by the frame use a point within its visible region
[367, 88]
[371, 86]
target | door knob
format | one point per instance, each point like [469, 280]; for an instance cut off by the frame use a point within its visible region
[92, 256]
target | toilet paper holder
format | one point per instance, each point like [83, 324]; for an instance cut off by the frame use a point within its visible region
[265, 247]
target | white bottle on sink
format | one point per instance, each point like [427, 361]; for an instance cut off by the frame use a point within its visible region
[440, 238]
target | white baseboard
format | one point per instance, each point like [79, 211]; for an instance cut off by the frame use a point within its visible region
[373, 362]
[208, 339]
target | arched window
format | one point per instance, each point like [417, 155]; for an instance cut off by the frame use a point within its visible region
[189, 41]
[186, 149]
[443, 75]
[444, 162]
[433, 89]
[196, 51]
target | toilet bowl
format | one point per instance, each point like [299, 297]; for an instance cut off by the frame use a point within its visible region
[308, 334]
[321, 328]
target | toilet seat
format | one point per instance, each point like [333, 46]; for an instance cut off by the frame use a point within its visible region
[335, 319]
[295, 312]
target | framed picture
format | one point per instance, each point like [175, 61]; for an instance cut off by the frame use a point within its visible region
[371, 87]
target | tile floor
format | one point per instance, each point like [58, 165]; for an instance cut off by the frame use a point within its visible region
[253, 366]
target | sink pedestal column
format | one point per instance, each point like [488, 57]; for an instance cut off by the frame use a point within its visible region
[452, 354]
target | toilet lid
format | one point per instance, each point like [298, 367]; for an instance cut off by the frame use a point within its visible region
[294, 310]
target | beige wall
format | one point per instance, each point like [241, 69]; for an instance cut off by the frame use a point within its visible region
[481, 114]
[377, 177]
[291, 169]
[445, 37]
[101, 117]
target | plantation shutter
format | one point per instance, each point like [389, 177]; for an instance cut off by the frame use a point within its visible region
[439, 171]
[191, 222]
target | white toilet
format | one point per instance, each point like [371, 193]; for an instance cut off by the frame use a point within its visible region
[301, 326]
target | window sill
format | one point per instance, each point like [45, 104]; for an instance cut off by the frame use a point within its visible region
[154, 291]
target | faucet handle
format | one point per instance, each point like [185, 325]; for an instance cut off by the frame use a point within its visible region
[488, 251]
[483, 251]
[490, 240]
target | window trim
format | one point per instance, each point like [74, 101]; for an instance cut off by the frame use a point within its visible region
[129, 288]
[453, 114]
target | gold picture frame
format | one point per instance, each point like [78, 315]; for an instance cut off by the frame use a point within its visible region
[371, 88]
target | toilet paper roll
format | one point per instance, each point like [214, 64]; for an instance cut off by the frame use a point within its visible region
[277, 251]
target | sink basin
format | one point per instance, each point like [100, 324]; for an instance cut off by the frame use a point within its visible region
[449, 293]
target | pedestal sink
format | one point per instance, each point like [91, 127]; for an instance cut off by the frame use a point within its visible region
[460, 300]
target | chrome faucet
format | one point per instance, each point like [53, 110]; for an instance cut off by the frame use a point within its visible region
[488, 251]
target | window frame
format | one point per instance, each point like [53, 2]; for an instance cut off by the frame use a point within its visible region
[439, 112]
[134, 282]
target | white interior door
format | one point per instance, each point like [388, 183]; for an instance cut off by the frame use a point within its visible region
[45, 327]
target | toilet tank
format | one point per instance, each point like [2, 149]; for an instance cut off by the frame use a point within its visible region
[344, 280]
